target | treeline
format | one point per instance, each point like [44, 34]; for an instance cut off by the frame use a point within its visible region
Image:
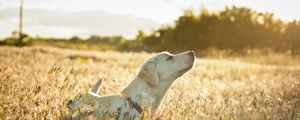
[236, 29]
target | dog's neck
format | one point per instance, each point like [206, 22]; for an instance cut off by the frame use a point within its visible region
[139, 86]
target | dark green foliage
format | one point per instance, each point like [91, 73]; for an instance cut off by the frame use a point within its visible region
[114, 40]
[235, 28]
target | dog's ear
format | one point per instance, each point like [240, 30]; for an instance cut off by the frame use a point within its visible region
[96, 87]
[150, 74]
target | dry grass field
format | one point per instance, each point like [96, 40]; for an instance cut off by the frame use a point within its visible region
[36, 83]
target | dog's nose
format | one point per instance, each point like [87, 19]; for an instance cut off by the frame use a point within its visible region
[191, 53]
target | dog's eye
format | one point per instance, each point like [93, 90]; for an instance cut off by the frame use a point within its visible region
[169, 58]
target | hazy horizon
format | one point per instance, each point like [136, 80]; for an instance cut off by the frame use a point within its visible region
[66, 18]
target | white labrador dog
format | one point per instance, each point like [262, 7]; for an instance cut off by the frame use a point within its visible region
[144, 93]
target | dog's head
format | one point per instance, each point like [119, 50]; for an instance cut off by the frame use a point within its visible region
[85, 100]
[166, 67]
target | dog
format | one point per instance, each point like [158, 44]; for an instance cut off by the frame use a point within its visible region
[144, 93]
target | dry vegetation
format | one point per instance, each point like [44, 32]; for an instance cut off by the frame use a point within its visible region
[36, 83]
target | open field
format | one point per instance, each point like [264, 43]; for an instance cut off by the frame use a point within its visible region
[36, 83]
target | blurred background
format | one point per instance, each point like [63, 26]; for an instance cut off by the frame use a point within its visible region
[248, 65]
[157, 25]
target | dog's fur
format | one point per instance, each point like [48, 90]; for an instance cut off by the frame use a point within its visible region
[145, 92]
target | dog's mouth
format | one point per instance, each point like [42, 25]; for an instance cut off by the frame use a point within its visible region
[181, 72]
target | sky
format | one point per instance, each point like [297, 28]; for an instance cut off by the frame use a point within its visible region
[66, 18]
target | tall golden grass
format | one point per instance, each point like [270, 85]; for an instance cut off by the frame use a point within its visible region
[37, 82]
